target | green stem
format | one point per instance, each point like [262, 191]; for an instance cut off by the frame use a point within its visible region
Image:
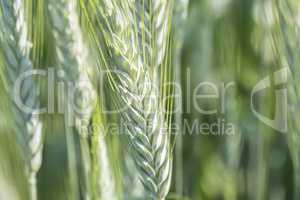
[178, 120]
[86, 164]
[296, 168]
[71, 151]
[32, 186]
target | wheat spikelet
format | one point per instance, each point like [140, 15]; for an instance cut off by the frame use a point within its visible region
[136, 33]
[16, 48]
[151, 22]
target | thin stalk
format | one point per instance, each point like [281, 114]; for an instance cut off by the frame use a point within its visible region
[180, 15]
[32, 186]
[71, 152]
[86, 164]
[103, 181]
[178, 121]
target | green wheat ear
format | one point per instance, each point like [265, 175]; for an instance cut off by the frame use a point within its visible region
[16, 50]
[136, 35]
[72, 55]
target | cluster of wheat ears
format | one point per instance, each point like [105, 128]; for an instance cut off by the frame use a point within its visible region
[131, 37]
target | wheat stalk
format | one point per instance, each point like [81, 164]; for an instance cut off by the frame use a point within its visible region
[179, 21]
[16, 49]
[106, 178]
[136, 33]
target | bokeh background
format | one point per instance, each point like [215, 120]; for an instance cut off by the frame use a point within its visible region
[219, 42]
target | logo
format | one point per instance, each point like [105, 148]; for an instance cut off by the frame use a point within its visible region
[279, 122]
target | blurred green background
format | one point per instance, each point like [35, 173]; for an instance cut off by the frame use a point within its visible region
[220, 42]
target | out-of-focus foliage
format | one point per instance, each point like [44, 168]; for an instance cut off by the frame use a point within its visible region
[228, 46]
